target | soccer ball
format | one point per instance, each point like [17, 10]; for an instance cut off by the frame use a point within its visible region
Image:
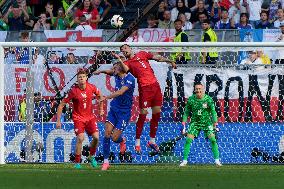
[116, 21]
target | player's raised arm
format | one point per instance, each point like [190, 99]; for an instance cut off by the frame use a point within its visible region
[107, 72]
[160, 58]
[59, 112]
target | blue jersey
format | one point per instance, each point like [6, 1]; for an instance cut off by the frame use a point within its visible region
[124, 102]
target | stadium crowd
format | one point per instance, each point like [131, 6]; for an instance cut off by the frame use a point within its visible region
[39, 15]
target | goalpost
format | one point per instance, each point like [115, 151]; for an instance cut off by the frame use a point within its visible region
[249, 96]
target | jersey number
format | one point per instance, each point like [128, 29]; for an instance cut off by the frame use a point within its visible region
[85, 105]
[142, 63]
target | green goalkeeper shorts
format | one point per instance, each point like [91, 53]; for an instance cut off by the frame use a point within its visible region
[195, 129]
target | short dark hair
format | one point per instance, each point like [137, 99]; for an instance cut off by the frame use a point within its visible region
[177, 20]
[24, 34]
[123, 46]
[206, 21]
[197, 83]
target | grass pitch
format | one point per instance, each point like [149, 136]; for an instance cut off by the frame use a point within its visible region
[141, 176]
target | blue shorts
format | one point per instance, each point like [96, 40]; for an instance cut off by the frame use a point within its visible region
[119, 119]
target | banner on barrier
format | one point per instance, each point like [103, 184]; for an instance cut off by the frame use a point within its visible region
[240, 95]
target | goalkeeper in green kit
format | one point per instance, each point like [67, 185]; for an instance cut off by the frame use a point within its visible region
[204, 117]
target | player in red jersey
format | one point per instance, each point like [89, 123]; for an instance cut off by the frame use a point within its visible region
[150, 94]
[81, 96]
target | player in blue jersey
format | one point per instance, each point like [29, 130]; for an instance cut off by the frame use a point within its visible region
[120, 109]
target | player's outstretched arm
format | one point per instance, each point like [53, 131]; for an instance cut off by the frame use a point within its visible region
[107, 72]
[59, 112]
[160, 58]
[116, 93]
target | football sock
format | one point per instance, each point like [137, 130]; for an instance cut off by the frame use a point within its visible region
[106, 161]
[106, 147]
[152, 140]
[119, 140]
[77, 158]
[139, 125]
[154, 124]
[92, 151]
[187, 148]
[137, 142]
[214, 146]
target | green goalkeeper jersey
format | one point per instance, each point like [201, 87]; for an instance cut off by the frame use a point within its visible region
[203, 110]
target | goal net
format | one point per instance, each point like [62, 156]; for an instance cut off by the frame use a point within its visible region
[248, 96]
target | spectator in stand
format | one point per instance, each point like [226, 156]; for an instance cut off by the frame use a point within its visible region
[200, 9]
[252, 59]
[253, 10]
[235, 11]
[91, 14]
[41, 108]
[264, 22]
[280, 18]
[215, 12]
[280, 58]
[71, 59]
[84, 25]
[152, 22]
[186, 25]
[167, 23]
[244, 22]
[263, 57]
[29, 24]
[22, 108]
[163, 6]
[103, 7]
[180, 36]
[60, 22]
[135, 37]
[3, 25]
[42, 24]
[16, 17]
[49, 11]
[201, 18]
[224, 23]
[180, 8]
[53, 58]
[273, 8]
[209, 35]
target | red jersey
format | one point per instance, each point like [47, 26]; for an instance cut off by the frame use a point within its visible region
[89, 15]
[82, 101]
[140, 68]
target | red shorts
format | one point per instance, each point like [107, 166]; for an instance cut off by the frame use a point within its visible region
[90, 126]
[150, 96]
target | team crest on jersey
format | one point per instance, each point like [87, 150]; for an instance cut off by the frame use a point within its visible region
[122, 82]
[84, 95]
[204, 105]
[145, 103]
